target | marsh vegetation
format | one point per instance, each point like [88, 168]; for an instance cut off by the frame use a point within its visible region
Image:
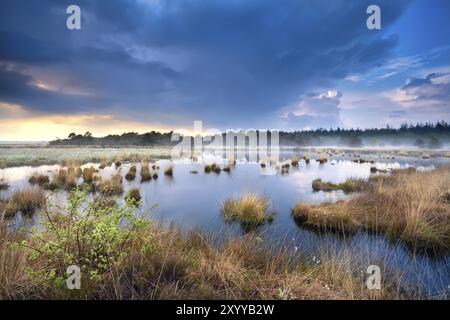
[408, 205]
[241, 248]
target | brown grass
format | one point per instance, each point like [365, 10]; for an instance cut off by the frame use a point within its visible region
[169, 170]
[112, 186]
[39, 179]
[408, 205]
[131, 174]
[134, 195]
[165, 264]
[145, 172]
[25, 201]
[250, 209]
[88, 175]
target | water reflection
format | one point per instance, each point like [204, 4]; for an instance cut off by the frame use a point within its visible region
[194, 201]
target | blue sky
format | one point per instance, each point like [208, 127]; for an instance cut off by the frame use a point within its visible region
[140, 65]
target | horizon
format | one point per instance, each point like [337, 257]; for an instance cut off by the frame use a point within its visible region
[191, 133]
[157, 66]
[206, 132]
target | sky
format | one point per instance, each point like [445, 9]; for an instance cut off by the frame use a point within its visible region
[142, 65]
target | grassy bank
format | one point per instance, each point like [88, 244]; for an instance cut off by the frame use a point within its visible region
[37, 156]
[409, 205]
[350, 185]
[251, 210]
[122, 256]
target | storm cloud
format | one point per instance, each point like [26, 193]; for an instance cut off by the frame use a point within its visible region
[228, 63]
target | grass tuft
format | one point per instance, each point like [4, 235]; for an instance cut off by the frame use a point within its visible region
[134, 196]
[88, 175]
[112, 186]
[39, 179]
[408, 205]
[25, 201]
[169, 171]
[3, 184]
[250, 209]
[131, 174]
[145, 172]
[350, 185]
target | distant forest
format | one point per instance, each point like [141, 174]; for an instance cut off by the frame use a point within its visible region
[427, 135]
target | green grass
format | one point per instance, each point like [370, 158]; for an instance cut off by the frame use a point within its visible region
[350, 185]
[39, 179]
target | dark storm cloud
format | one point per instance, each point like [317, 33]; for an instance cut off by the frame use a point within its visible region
[21, 89]
[225, 62]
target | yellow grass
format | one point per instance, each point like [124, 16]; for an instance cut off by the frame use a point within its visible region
[248, 209]
[409, 205]
[165, 264]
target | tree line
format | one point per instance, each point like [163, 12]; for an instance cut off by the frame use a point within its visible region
[423, 135]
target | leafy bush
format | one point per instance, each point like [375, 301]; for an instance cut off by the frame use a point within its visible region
[95, 238]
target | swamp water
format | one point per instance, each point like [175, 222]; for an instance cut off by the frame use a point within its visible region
[193, 201]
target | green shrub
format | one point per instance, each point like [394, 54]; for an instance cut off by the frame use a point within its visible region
[95, 240]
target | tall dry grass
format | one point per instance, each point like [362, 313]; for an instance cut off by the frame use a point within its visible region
[409, 205]
[248, 208]
[169, 264]
[112, 186]
[131, 174]
[26, 201]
